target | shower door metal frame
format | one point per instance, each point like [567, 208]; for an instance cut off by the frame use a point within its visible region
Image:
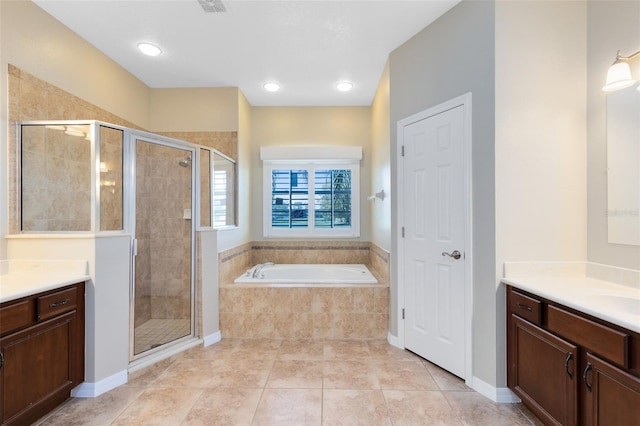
[131, 139]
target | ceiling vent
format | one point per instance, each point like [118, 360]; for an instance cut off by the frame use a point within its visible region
[212, 6]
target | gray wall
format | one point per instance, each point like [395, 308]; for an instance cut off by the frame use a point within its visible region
[611, 26]
[452, 56]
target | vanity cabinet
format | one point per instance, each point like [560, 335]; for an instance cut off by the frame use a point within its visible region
[41, 352]
[569, 368]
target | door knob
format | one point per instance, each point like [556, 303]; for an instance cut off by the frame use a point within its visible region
[455, 254]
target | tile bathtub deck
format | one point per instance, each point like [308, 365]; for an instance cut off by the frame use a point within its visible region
[285, 382]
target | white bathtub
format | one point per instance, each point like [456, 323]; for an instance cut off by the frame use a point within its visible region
[304, 274]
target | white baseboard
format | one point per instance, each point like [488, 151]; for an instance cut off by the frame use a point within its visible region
[393, 340]
[212, 338]
[91, 390]
[501, 395]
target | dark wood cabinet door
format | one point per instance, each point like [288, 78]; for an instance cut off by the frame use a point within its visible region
[543, 372]
[38, 370]
[610, 395]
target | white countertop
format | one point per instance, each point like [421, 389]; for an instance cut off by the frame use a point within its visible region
[616, 303]
[20, 285]
[21, 278]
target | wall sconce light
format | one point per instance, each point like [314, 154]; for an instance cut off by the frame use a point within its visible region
[619, 74]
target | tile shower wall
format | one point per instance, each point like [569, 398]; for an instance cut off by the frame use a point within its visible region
[225, 142]
[357, 312]
[52, 162]
[31, 98]
[111, 179]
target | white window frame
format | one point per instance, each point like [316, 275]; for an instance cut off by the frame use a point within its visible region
[311, 159]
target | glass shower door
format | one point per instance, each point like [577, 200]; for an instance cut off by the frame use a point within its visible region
[163, 282]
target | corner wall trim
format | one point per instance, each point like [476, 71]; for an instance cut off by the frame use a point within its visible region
[92, 390]
[393, 340]
[212, 338]
[500, 395]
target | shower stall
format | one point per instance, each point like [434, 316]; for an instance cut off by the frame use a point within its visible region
[99, 179]
[163, 244]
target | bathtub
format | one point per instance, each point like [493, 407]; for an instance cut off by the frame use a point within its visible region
[307, 274]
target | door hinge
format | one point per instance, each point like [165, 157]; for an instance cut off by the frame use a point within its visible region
[403, 232]
[402, 151]
[402, 313]
[1, 359]
[135, 247]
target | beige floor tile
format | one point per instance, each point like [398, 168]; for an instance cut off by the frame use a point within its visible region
[98, 411]
[354, 407]
[291, 382]
[161, 406]
[188, 373]
[419, 408]
[475, 409]
[241, 373]
[528, 414]
[301, 350]
[224, 407]
[383, 351]
[289, 407]
[345, 349]
[445, 380]
[349, 375]
[296, 375]
[146, 376]
[407, 375]
[237, 349]
[217, 350]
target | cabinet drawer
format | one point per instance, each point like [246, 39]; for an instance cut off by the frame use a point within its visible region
[56, 303]
[526, 307]
[16, 316]
[604, 341]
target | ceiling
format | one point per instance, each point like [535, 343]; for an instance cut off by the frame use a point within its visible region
[306, 46]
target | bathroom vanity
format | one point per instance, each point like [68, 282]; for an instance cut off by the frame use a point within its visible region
[572, 367]
[41, 344]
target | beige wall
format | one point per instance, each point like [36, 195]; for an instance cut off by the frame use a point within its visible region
[540, 139]
[35, 42]
[612, 26]
[381, 164]
[291, 126]
[194, 109]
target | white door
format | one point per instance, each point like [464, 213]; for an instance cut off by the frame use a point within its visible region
[434, 226]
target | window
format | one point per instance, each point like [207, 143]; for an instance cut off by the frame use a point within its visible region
[311, 197]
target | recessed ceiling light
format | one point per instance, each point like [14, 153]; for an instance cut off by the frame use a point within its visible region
[344, 86]
[271, 86]
[149, 49]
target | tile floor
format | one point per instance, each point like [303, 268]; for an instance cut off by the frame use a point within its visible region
[284, 382]
[159, 331]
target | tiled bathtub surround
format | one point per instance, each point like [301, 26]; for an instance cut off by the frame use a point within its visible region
[355, 312]
[235, 261]
[304, 313]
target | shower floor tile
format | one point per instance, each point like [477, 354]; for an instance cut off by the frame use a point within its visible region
[158, 331]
